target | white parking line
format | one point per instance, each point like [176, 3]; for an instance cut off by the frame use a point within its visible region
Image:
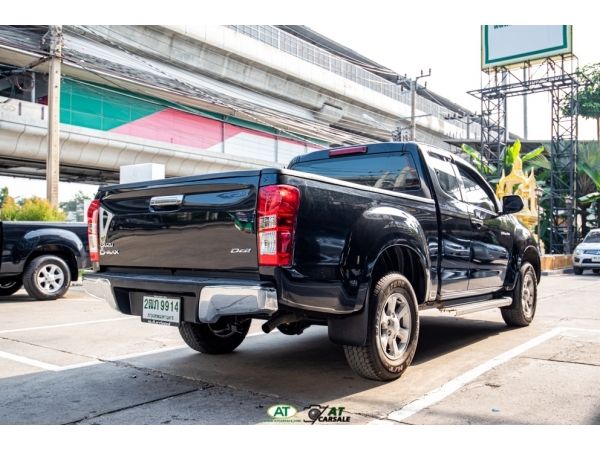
[69, 324]
[149, 352]
[139, 354]
[29, 361]
[94, 362]
[455, 384]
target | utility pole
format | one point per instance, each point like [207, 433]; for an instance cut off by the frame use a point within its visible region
[413, 106]
[469, 126]
[53, 158]
[525, 106]
[414, 84]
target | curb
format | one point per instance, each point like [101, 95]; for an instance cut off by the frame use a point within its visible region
[568, 270]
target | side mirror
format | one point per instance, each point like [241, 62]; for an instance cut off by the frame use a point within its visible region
[512, 204]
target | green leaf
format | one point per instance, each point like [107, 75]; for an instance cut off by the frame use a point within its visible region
[512, 152]
[590, 172]
[490, 169]
[533, 153]
[589, 198]
[478, 160]
[474, 154]
[541, 161]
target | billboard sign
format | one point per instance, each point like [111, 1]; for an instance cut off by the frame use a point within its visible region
[505, 45]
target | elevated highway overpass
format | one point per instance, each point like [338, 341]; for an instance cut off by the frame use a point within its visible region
[197, 99]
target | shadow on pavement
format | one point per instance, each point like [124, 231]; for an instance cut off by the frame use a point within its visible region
[18, 298]
[269, 369]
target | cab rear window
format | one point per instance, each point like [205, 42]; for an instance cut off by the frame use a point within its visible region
[390, 171]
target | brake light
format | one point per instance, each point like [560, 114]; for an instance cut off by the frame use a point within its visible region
[276, 221]
[347, 151]
[92, 219]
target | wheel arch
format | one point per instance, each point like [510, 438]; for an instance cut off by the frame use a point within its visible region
[396, 255]
[408, 261]
[60, 242]
[532, 256]
[61, 251]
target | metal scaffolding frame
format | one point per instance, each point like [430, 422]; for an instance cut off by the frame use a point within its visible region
[559, 77]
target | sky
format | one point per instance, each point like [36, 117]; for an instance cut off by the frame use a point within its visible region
[405, 36]
[453, 53]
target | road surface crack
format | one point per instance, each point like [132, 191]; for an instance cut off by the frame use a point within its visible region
[563, 361]
[148, 402]
[45, 347]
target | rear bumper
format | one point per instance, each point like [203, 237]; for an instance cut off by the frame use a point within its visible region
[204, 300]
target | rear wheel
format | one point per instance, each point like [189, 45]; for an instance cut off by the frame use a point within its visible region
[577, 270]
[392, 334]
[223, 336]
[9, 286]
[47, 277]
[520, 313]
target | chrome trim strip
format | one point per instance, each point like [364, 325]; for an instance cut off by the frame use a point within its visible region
[453, 295]
[224, 300]
[472, 307]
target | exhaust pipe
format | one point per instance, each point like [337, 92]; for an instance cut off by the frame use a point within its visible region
[280, 319]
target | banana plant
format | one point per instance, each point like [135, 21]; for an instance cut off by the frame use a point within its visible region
[589, 165]
[480, 163]
[533, 158]
[588, 181]
[594, 176]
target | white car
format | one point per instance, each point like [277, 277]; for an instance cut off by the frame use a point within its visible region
[587, 254]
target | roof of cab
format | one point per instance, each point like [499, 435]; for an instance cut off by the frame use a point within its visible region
[376, 147]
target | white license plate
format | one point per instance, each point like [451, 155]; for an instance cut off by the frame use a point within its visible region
[595, 258]
[161, 310]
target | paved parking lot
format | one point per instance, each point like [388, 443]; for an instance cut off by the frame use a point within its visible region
[76, 361]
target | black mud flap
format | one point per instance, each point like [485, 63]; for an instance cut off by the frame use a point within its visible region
[350, 330]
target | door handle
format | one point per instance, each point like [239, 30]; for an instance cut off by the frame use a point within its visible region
[166, 201]
[477, 223]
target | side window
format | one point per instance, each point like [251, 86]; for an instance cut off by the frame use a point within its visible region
[446, 175]
[391, 171]
[475, 193]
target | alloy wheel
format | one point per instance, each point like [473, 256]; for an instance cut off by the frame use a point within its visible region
[50, 278]
[395, 326]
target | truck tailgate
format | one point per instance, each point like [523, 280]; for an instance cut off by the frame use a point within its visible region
[202, 223]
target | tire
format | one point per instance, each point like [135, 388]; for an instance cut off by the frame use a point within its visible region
[9, 286]
[596, 271]
[577, 270]
[392, 334]
[47, 277]
[522, 310]
[218, 338]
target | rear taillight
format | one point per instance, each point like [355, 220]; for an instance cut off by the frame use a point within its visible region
[276, 220]
[92, 219]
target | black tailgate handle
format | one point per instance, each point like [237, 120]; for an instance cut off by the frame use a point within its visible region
[166, 203]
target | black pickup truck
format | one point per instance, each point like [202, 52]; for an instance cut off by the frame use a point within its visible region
[42, 256]
[359, 239]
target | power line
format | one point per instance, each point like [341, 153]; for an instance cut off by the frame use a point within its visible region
[194, 88]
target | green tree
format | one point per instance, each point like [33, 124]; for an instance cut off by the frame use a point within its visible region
[33, 208]
[533, 158]
[3, 195]
[10, 209]
[588, 96]
[75, 205]
[588, 182]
